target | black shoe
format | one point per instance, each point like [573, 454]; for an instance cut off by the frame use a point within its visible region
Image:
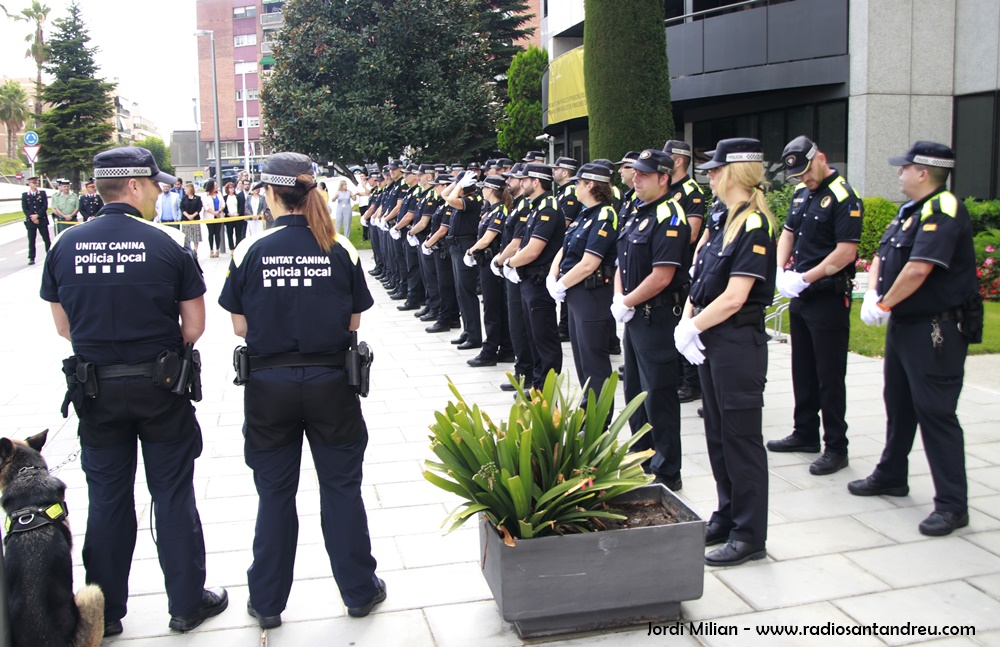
[672, 484]
[397, 296]
[470, 345]
[409, 305]
[113, 628]
[621, 372]
[688, 393]
[870, 487]
[701, 412]
[421, 312]
[460, 339]
[265, 622]
[563, 336]
[361, 612]
[375, 271]
[31, 261]
[430, 316]
[480, 360]
[734, 553]
[715, 534]
[213, 602]
[439, 326]
[939, 524]
[792, 443]
[507, 386]
[828, 463]
[503, 358]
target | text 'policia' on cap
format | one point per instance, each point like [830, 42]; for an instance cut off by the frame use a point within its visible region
[130, 161]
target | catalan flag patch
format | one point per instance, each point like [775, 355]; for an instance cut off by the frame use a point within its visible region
[497, 221]
[855, 213]
[601, 232]
[932, 226]
[671, 233]
[759, 249]
[545, 218]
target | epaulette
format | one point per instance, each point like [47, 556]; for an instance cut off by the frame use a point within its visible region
[944, 202]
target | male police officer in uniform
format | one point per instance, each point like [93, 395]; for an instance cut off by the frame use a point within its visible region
[822, 231]
[90, 202]
[654, 254]
[466, 204]
[117, 285]
[924, 284]
[35, 206]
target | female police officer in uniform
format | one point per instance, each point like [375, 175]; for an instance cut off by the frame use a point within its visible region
[723, 330]
[583, 273]
[295, 293]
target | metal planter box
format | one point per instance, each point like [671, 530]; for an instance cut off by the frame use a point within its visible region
[598, 580]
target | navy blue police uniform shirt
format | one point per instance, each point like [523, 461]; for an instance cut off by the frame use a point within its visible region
[465, 221]
[822, 218]
[391, 195]
[656, 234]
[569, 203]
[429, 204]
[120, 278]
[411, 197]
[516, 221]
[546, 223]
[295, 296]
[751, 253]
[626, 207]
[594, 231]
[493, 219]
[935, 230]
[689, 195]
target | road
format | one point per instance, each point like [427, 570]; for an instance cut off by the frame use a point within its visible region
[14, 248]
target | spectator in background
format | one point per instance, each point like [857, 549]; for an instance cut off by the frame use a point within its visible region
[168, 205]
[191, 208]
[256, 206]
[343, 209]
[65, 206]
[179, 188]
[234, 205]
[90, 202]
[213, 209]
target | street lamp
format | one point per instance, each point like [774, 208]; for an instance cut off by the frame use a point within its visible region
[197, 144]
[215, 106]
[246, 120]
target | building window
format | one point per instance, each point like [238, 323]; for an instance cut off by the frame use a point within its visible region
[251, 94]
[252, 122]
[976, 127]
[244, 40]
[245, 12]
[246, 67]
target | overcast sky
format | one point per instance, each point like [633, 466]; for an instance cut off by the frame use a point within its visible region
[147, 44]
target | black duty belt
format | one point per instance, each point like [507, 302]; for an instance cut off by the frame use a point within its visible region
[951, 314]
[282, 360]
[674, 298]
[748, 310]
[124, 370]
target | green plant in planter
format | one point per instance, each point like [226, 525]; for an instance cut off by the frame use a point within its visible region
[550, 468]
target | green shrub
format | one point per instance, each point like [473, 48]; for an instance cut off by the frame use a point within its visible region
[549, 469]
[779, 200]
[985, 214]
[987, 244]
[879, 212]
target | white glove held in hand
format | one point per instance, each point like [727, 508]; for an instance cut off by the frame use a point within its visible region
[427, 251]
[469, 260]
[871, 314]
[496, 269]
[685, 333]
[412, 240]
[557, 289]
[510, 273]
[620, 311]
[790, 284]
[395, 233]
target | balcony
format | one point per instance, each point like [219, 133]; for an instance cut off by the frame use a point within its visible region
[265, 48]
[272, 20]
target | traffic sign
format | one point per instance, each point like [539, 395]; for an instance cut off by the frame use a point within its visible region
[31, 138]
[31, 152]
[18, 177]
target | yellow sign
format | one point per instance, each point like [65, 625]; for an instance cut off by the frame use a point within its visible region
[567, 95]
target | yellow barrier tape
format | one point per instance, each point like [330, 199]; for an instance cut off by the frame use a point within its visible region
[210, 221]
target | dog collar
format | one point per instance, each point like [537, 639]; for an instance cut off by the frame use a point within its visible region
[27, 519]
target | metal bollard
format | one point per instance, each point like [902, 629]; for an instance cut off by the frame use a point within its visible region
[4, 616]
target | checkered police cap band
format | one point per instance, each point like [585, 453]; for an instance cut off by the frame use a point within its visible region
[123, 171]
[280, 180]
[540, 175]
[933, 161]
[596, 177]
[744, 157]
[680, 151]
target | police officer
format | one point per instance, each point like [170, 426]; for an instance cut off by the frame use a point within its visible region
[540, 242]
[400, 179]
[723, 331]
[128, 357]
[924, 283]
[427, 202]
[296, 295]
[436, 246]
[582, 275]
[90, 202]
[35, 206]
[369, 222]
[405, 220]
[653, 259]
[565, 192]
[821, 235]
[496, 206]
[689, 195]
[466, 203]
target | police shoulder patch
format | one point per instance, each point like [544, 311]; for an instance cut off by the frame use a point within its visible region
[754, 221]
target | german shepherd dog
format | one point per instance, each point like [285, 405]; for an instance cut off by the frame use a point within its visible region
[38, 563]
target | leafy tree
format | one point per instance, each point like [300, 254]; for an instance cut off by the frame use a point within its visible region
[37, 49]
[160, 151]
[14, 111]
[360, 80]
[524, 111]
[626, 75]
[504, 22]
[78, 125]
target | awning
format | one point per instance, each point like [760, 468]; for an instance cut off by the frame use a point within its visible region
[267, 60]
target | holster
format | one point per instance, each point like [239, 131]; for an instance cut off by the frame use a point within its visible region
[841, 283]
[971, 315]
[167, 370]
[241, 364]
[751, 314]
[81, 384]
[188, 380]
[602, 276]
[358, 361]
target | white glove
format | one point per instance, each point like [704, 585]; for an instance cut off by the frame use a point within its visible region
[394, 233]
[790, 284]
[621, 312]
[686, 333]
[871, 314]
[383, 224]
[692, 352]
[468, 179]
[510, 273]
[426, 250]
[364, 222]
[557, 289]
[469, 260]
[412, 240]
[691, 270]
[496, 269]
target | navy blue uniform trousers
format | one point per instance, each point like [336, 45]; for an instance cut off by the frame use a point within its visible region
[465, 291]
[495, 320]
[589, 332]
[524, 359]
[542, 327]
[448, 312]
[428, 269]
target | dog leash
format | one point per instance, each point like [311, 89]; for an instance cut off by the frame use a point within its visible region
[69, 459]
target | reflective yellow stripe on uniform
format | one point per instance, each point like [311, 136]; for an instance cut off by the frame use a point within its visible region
[756, 221]
[608, 212]
[690, 186]
[616, 192]
[839, 189]
[663, 211]
[945, 202]
[799, 187]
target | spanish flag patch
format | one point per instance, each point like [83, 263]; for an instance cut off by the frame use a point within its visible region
[932, 226]
[497, 222]
[855, 213]
[759, 249]
[545, 218]
[601, 232]
[671, 233]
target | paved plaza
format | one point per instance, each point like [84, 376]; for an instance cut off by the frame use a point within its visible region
[832, 557]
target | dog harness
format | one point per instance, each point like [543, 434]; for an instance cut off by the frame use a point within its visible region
[27, 519]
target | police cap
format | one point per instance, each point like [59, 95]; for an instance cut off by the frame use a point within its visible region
[494, 182]
[798, 155]
[514, 171]
[283, 169]
[737, 149]
[653, 161]
[594, 172]
[425, 168]
[474, 166]
[504, 162]
[677, 147]
[259, 185]
[130, 161]
[567, 163]
[537, 171]
[926, 153]
[62, 182]
[393, 165]
[443, 178]
[628, 158]
[441, 168]
[457, 167]
[534, 156]
[606, 163]
[413, 168]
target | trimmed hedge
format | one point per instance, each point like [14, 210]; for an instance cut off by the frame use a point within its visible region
[985, 214]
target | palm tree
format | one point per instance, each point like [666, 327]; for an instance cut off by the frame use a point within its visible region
[37, 48]
[13, 111]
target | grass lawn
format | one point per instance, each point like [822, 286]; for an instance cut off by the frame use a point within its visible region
[356, 233]
[10, 217]
[870, 341]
